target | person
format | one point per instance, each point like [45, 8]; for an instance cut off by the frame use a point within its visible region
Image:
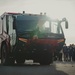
[56, 55]
[73, 56]
[65, 52]
[73, 52]
[70, 52]
[60, 55]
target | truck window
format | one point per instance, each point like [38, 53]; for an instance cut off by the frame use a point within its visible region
[25, 25]
[4, 23]
[56, 28]
[7, 23]
[14, 22]
[44, 27]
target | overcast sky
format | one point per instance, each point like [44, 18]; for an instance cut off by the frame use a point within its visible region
[53, 8]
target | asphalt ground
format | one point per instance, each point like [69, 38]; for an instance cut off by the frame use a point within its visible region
[30, 68]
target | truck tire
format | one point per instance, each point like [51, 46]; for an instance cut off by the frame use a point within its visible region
[44, 62]
[5, 59]
[20, 60]
[46, 59]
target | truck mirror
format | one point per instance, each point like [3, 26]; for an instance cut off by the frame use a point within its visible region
[66, 24]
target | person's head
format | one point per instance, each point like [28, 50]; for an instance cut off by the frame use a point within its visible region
[70, 45]
[64, 44]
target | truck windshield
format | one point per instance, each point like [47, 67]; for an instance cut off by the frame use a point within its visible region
[26, 25]
[36, 26]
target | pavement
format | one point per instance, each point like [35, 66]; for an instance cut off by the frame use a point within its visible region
[30, 68]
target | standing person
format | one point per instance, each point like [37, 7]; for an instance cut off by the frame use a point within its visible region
[70, 52]
[65, 52]
[73, 56]
[74, 53]
[60, 55]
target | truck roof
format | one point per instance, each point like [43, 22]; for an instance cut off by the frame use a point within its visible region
[27, 16]
[13, 13]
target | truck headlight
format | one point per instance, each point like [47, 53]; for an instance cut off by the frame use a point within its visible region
[61, 40]
[23, 40]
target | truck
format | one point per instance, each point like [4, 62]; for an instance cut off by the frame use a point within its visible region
[26, 36]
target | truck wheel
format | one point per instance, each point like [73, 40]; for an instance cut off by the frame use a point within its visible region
[5, 59]
[44, 62]
[3, 55]
[20, 60]
[46, 59]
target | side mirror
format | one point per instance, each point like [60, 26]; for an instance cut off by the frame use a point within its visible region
[66, 24]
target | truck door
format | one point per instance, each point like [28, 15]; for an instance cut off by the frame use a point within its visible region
[11, 31]
[0, 34]
[0, 26]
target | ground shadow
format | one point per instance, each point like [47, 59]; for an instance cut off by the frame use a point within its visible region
[30, 69]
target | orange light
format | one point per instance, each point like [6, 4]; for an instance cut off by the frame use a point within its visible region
[61, 40]
[22, 39]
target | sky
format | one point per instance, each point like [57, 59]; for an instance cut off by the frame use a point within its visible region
[54, 9]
